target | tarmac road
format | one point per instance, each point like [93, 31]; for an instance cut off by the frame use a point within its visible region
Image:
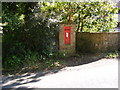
[99, 74]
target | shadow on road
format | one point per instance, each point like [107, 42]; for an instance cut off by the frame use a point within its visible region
[35, 77]
[21, 88]
[23, 79]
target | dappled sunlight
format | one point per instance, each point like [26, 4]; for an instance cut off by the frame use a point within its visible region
[65, 76]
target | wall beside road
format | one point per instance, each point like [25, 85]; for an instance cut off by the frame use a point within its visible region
[97, 42]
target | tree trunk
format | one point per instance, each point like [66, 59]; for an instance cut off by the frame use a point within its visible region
[78, 22]
[82, 26]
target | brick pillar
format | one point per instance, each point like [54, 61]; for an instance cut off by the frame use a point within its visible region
[69, 49]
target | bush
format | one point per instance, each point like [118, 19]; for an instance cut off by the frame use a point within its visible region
[33, 42]
[112, 54]
[13, 63]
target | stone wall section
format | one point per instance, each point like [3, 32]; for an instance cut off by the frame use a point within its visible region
[97, 42]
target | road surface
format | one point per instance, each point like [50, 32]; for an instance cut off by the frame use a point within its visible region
[99, 74]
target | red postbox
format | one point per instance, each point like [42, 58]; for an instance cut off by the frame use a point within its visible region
[67, 34]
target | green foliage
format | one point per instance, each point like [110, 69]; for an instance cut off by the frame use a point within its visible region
[30, 58]
[14, 14]
[40, 35]
[13, 54]
[27, 42]
[112, 54]
[12, 62]
[89, 16]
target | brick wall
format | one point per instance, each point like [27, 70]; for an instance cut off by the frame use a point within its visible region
[97, 42]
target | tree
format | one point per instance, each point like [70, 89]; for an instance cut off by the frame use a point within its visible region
[27, 37]
[89, 16]
[14, 14]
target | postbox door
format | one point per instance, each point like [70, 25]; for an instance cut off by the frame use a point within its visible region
[67, 35]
